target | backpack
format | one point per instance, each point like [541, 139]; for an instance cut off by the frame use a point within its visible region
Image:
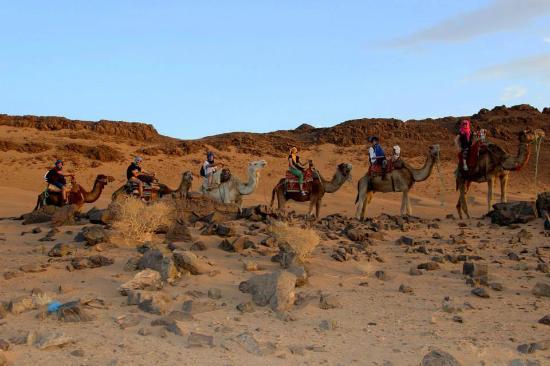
[202, 173]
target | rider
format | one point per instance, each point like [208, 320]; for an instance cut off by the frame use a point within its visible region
[376, 154]
[209, 167]
[296, 168]
[133, 174]
[56, 179]
[463, 142]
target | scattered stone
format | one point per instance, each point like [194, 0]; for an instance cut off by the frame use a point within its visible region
[415, 272]
[12, 274]
[406, 289]
[237, 245]
[61, 250]
[329, 325]
[543, 267]
[33, 268]
[144, 331]
[439, 358]
[94, 235]
[199, 340]
[475, 269]
[176, 327]
[21, 304]
[157, 303]
[480, 292]
[545, 320]
[429, 266]
[300, 273]
[327, 302]
[128, 321]
[179, 232]
[543, 203]
[275, 289]
[214, 293]
[144, 280]
[357, 234]
[225, 230]
[251, 266]
[72, 312]
[193, 307]
[406, 240]
[527, 348]
[43, 214]
[246, 307]
[78, 353]
[4, 345]
[458, 319]
[131, 264]
[251, 345]
[381, 275]
[496, 286]
[155, 260]
[52, 339]
[519, 212]
[541, 289]
[188, 261]
[198, 246]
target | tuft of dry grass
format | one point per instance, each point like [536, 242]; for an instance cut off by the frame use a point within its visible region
[302, 241]
[137, 220]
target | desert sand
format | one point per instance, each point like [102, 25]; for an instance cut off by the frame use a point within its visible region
[384, 313]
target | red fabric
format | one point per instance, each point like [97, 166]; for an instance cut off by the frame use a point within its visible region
[376, 169]
[291, 181]
[473, 154]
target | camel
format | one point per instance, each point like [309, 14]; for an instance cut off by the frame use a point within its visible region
[399, 180]
[495, 163]
[77, 195]
[318, 189]
[234, 189]
[164, 190]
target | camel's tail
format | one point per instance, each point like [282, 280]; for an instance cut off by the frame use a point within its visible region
[358, 187]
[273, 195]
[38, 202]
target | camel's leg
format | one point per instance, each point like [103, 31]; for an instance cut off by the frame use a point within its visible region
[370, 195]
[317, 207]
[361, 197]
[490, 188]
[365, 201]
[312, 203]
[504, 188]
[281, 201]
[463, 205]
[39, 201]
[408, 206]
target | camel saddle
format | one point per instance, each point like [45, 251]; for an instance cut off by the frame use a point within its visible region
[292, 184]
[148, 188]
[376, 169]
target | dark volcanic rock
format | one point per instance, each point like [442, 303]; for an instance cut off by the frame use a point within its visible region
[508, 213]
[439, 358]
[61, 250]
[275, 289]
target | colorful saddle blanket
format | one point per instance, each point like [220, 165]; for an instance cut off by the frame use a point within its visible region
[376, 169]
[148, 189]
[292, 184]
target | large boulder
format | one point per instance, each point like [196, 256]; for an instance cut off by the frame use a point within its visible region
[154, 259]
[439, 358]
[65, 215]
[144, 280]
[275, 289]
[93, 235]
[188, 261]
[179, 232]
[543, 203]
[519, 212]
[99, 216]
[43, 214]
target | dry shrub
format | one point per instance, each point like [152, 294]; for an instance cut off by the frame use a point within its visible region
[302, 241]
[137, 220]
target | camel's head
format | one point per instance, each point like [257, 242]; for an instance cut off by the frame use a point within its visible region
[434, 151]
[104, 179]
[187, 177]
[257, 165]
[345, 169]
[527, 136]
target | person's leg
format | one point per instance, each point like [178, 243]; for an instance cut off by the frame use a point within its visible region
[298, 174]
[64, 194]
[465, 159]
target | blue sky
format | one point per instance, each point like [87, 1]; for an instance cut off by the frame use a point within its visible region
[199, 68]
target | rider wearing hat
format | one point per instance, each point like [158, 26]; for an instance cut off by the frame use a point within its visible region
[133, 174]
[56, 179]
[377, 155]
[209, 167]
[296, 168]
[463, 142]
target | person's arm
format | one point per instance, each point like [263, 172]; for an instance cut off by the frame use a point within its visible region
[457, 143]
[372, 155]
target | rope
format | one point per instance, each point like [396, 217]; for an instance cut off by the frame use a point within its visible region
[441, 181]
[537, 154]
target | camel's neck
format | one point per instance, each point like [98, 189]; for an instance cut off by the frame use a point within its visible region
[517, 162]
[423, 173]
[250, 186]
[94, 194]
[333, 185]
[184, 186]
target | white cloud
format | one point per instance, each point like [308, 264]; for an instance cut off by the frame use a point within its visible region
[546, 39]
[513, 92]
[496, 16]
[535, 67]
